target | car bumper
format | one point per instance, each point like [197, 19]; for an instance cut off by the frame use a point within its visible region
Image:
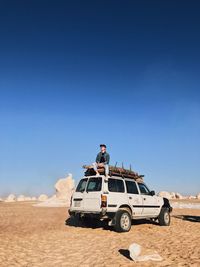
[104, 214]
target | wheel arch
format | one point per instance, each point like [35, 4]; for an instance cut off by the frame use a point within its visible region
[166, 204]
[126, 207]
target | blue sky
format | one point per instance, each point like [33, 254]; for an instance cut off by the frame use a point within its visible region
[74, 74]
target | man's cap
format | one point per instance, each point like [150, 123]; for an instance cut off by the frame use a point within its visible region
[103, 145]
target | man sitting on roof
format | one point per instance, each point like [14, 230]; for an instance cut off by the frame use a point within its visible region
[102, 160]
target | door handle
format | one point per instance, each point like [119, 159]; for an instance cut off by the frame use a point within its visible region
[130, 197]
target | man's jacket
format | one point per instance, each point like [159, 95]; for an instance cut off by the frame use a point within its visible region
[106, 157]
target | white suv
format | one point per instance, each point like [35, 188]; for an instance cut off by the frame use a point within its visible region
[117, 200]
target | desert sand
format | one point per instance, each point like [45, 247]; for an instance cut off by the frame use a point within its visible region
[39, 236]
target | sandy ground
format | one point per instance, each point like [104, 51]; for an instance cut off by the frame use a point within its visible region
[36, 236]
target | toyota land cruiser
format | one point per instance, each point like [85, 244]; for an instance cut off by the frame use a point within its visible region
[118, 200]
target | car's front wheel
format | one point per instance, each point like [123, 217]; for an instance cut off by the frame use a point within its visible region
[164, 217]
[122, 221]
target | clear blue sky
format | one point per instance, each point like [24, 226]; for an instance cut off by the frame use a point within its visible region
[74, 74]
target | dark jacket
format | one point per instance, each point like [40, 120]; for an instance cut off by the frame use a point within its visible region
[106, 157]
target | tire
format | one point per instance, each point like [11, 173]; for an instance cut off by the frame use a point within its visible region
[122, 221]
[164, 217]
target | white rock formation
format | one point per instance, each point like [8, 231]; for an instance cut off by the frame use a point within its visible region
[135, 251]
[1, 199]
[165, 194]
[198, 196]
[173, 195]
[43, 197]
[21, 198]
[10, 198]
[33, 198]
[191, 197]
[64, 189]
[179, 196]
[27, 198]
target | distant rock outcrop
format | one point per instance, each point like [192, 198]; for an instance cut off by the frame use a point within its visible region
[1, 200]
[10, 198]
[179, 196]
[191, 197]
[198, 196]
[21, 198]
[64, 189]
[165, 194]
[43, 197]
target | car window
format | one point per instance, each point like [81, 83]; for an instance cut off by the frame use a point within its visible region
[115, 185]
[131, 187]
[94, 184]
[81, 186]
[143, 189]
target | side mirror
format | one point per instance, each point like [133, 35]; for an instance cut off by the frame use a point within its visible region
[152, 193]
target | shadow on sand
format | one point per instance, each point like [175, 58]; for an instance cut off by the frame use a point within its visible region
[87, 223]
[95, 224]
[190, 218]
[125, 253]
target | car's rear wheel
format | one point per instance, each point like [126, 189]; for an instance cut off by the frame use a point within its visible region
[164, 217]
[122, 221]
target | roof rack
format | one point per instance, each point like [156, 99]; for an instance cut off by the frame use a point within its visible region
[114, 171]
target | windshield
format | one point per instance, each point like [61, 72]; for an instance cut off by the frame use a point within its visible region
[94, 184]
[81, 186]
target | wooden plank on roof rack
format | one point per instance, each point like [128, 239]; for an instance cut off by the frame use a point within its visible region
[115, 171]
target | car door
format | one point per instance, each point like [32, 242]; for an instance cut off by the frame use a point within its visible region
[92, 195]
[78, 195]
[116, 193]
[151, 204]
[135, 200]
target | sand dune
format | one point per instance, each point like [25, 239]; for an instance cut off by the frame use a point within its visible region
[37, 236]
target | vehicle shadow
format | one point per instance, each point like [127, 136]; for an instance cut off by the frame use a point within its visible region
[95, 224]
[190, 218]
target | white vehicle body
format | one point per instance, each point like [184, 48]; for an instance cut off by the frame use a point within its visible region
[101, 197]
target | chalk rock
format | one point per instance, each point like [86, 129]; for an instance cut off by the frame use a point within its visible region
[179, 196]
[198, 196]
[191, 197]
[1, 199]
[21, 198]
[33, 198]
[10, 198]
[64, 188]
[27, 198]
[135, 251]
[165, 194]
[173, 195]
[43, 197]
